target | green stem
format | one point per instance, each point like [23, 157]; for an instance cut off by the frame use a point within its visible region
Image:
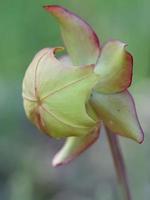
[119, 164]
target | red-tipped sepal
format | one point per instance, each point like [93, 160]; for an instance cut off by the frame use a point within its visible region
[80, 39]
[119, 114]
[74, 146]
[114, 68]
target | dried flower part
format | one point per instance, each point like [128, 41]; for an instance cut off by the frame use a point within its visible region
[114, 67]
[80, 39]
[119, 114]
[55, 95]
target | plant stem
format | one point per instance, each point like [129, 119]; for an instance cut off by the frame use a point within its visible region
[119, 164]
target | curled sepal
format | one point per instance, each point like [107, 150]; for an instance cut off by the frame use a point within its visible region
[55, 95]
[80, 40]
[118, 113]
[114, 67]
[74, 146]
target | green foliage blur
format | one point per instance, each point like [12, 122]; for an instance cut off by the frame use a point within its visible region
[25, 154]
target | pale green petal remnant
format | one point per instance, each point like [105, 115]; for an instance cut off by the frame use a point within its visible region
[80, 40]
[60, 95]
[118, 113]
[114, 67]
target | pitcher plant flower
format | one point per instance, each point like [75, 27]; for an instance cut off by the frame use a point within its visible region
[71, 96]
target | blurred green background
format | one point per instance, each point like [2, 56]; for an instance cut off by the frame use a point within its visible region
[25, 154]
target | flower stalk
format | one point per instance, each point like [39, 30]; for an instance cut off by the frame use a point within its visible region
[119, 164]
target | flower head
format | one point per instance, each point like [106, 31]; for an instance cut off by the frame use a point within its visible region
[73, 95]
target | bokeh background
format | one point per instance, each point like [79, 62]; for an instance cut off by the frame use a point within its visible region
[25, 154]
